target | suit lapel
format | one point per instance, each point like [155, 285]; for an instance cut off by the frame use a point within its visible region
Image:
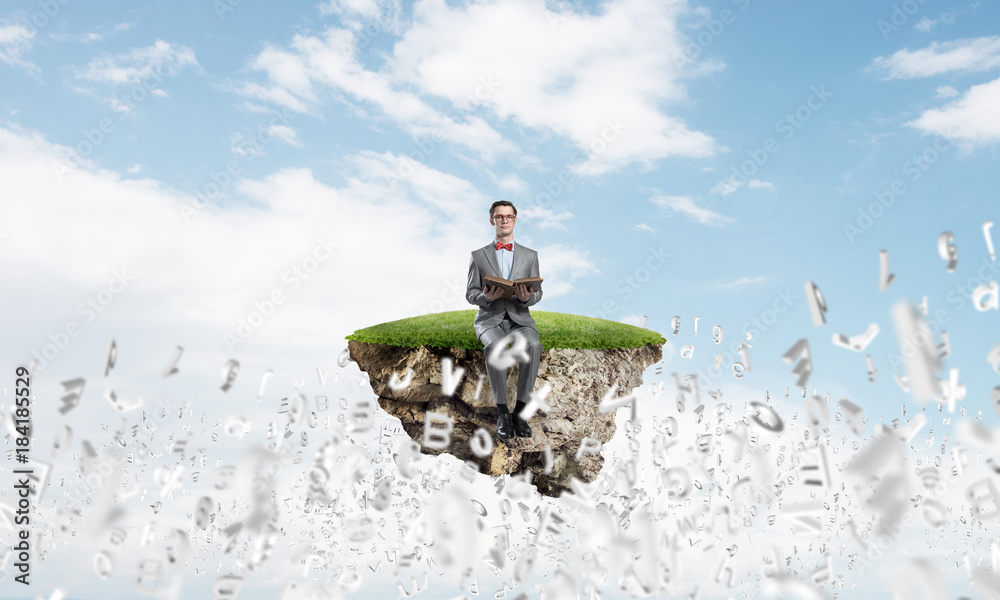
[491, 257]
[515, 268]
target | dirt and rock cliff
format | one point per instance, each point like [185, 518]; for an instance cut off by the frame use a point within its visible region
[579, 380]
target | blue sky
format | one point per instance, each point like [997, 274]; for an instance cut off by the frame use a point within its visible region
[210, 149]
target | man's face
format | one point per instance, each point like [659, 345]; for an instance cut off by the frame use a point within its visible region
[503, 219]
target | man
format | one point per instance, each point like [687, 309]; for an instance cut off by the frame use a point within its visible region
[499, 316]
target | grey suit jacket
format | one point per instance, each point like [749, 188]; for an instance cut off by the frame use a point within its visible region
[484, 262]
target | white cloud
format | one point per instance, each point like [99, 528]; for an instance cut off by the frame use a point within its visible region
[740, 283]
[632, 319]
[924, 25]
[973, 118]
[847, 188]
[286, 72]
[515, 60]
[644, 227]
[243, 147]
[192, 282]
[83, 38]
[600, 80]
[560, 265]
[544, 218]
[972, 54]
[276, 95]
[949, 17]
[197, 278]
[285, 134]
[369, 18]
[90, 36]
[383, 13]
[14, 34]
[15, 42]
[253, 107]
[117, 104]
[330, 62]
[512, 184]
[451, 195]
[686, 206]
[946, 91]
[730, 185]
[139, 64]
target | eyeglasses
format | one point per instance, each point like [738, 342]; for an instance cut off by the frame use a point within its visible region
[504, 217]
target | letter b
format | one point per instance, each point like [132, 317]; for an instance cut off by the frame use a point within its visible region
[265, 307]
[692, 50]
[221, 178]
[427, 147]
[51, 7]
[864, 219]
[759, 156]
[94, 136]
[553, 187]
[886, 198]
[59, 339]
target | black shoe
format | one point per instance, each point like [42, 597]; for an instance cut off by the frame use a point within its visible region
[505, 425]
[520, 425]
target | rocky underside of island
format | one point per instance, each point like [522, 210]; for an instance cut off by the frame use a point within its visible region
[579, 380]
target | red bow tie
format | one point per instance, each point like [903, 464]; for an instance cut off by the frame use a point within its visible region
[509, 246]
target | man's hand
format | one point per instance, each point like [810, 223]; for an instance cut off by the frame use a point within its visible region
[523, 292]
[493, 292]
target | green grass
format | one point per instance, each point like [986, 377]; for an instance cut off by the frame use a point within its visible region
[555, 330]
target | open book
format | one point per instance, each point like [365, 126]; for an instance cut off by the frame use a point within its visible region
[508, 285]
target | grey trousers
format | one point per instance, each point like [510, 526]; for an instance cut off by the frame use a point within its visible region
[526, 372]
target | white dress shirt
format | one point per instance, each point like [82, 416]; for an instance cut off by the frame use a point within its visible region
[505, 258]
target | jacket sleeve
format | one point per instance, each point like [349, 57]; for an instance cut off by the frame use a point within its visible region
[473, 292]
[537, 294]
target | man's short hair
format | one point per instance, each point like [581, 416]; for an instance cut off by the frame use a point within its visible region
[501, 203]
